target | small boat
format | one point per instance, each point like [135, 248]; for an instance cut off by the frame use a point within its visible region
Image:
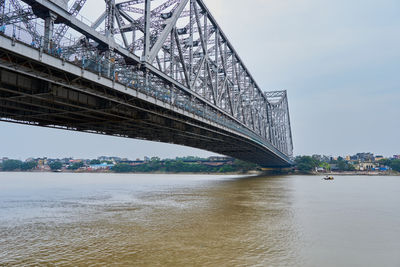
[328, 178]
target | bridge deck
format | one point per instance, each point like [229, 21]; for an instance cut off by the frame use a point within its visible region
[53, 93]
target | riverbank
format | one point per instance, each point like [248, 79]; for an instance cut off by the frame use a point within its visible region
[389, 173]
[252, 172]
[155, 172]
[363, 174]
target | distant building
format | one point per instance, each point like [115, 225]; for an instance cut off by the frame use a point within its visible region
[366, 166]
[353, 158]
[377, 158]
[41, 163]
[363, 157]
[225, 159]
[66, 160]
[113, 159]
[396, 156]
[75, 161]
[103, 158]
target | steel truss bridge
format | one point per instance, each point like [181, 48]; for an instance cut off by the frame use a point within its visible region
[160, 70]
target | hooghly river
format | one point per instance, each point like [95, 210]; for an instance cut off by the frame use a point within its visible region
[65, 219]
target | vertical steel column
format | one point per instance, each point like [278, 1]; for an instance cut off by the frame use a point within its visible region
[205, 88]
[2, 10]
[192, 40]
[48, 31]
[290, 141]
[270, 122]
[110, 14]
[133, 38]
[218, 92]
[172, 52]
[147, 16]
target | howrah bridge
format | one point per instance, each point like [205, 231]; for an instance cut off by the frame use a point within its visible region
[160, 70]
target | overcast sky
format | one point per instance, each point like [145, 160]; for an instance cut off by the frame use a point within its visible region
[339, 61]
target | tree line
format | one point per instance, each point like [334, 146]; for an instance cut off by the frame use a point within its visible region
[18, 165]
[13, 164]
[179, 166]
[302, 164]
[308, 164]
[154, 165]
[392, 163]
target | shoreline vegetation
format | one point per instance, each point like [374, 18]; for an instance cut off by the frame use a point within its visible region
[307, 165]
[194, 165]
[250, 172]
[363, 164]
[366, 173]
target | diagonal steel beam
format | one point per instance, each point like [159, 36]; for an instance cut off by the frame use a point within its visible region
[62, 29]
[167, 30]
[185, 72]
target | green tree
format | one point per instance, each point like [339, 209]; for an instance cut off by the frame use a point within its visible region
[180, 166]
[95, 161]
[155, 159]
[28, 165]
[341, 165]
[75, 166]
[344, 165]
[56, 165]
[226, 168]
[325, 165]
[306, 163]
[385, 162]
[122, 168]
[395, 165]
[11, 165]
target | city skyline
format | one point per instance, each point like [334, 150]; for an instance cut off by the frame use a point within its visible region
[339, 62]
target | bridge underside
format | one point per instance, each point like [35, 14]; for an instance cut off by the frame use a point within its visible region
[35, 93]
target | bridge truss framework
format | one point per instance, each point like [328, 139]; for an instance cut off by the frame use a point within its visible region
[171, 50]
